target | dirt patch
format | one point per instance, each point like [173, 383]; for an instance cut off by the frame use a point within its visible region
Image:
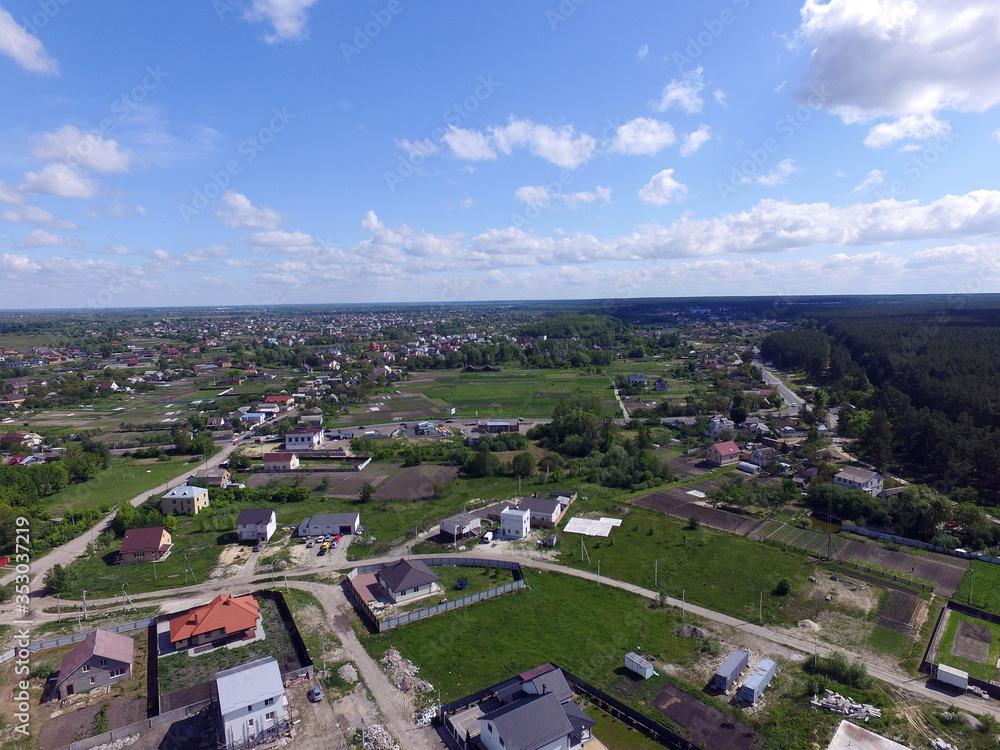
[972, 642]
[946, 572]
[61, 729]
[686, 467]
[899, 613]
[704, 725]
[231, 561]
[676, 502]
[417, 482]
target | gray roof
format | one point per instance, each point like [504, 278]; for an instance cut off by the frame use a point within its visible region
[248, 683]
[187, 490]
[553, 682]
[255, 516]
[531, 723]
[540, 505]
[407, 574]
[460, 519]
[334, 519]
[857, 475]
[102, 643]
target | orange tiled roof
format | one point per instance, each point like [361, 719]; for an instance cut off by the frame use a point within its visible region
[224, 611]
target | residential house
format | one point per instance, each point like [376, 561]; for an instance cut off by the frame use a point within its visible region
[723, 454]
[282, 401]
[515, 524]
[461, 525]
[107, 385]
[211, 477]
[534, 712]
[642, 380]
[254, 418]
[542, 511]
[145, 545]
[252, 702]
[280, 461]
[661, 385]
[498, 426]
[31, 439]
[330, 523]
[256, 524]
[11, 401]
[406, 580]
[100, 659]
[718, 423]
[859, 479]
[225, 618]
[304, 439]
[186, 500]
[762, 456]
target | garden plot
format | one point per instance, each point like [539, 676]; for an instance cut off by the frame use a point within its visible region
[904, 613]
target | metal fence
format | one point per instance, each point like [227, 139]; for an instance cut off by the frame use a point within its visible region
[917, 543]
[392, 622]
[76, 638]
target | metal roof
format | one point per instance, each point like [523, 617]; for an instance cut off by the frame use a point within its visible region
[143, 540]
[102, 643]
[254, 516]
[187, 490]
[407, 574]
[531, 723]
[248, 684]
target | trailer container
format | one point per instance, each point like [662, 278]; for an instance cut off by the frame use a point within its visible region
[639, 665]
[951, 676]
[731, 669]
[755, 683]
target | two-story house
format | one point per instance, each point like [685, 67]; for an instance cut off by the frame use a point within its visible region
[256, 524]
[304, 439]
[252, 701]
[145, 545]
[100, 659]
[186, 500]
[859, 479]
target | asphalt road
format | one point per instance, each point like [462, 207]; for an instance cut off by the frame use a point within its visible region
[793, 403]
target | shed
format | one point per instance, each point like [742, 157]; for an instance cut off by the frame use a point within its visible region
[731, 668]
[755, 683]
[748, 467]
[639, 665]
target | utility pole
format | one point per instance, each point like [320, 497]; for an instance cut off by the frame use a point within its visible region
[683, 603]
[656, 582]
[85, 604]
[598, 574]
[58, 607]
[971, 584]
[761, 607]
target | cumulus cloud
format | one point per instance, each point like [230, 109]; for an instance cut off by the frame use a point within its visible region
[897, 58]
[236, 212]
[694, 141]
[780, 174]
[684, 93]
[539, 196]
[287, 17]
[562, 147]
[662, 189]
[908, 127]
[60, 179]
[533, 195]
[23, 48]
[37, 216]
[70, 145]
[9, 194]
[467, 203]
[41, 238]
[425, 148]
[281, 241]
[469, 144]
[643, 136]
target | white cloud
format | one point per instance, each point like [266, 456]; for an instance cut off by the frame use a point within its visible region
[642, 52]
[780, 174]
[38, 216]
[425, 148]
[873, 179]
[662, 189]
[62, 180]
[282, 241]
[533, 195]
[561, 147]
[572, 200]
[469, 144]
[643, 136]
[694, 141]
[41, 238]
[23, 48]
[288, 17]
[237, 212]
[18, 263]
[9, 194]
[208, 254]
[897, 57]
[141, 210]
[914, 127]
[720, 96]
[684, 93]
[467, 203]
[70, 145]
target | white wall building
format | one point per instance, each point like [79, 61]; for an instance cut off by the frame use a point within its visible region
[515, 524]
[251, 700]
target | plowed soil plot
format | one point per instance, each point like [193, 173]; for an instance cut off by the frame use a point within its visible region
[417, 482]
[706, 726]
[685, 467]
[972, 642]
[947, 575]
[351, 484]
[675, 503]
[898, 613]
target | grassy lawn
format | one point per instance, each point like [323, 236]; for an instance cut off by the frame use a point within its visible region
[617, 736]
[181, 670]
[714, 569]
[985, 588]
[126, 478]
[478, 579]
[558, 618]
[985, 671]
[308, 614]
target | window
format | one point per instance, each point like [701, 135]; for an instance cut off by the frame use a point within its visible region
[138, 555]
[117, 672]
[104, 662]
[250, 722]
[269, 702]
[269, 715]
[250, 708]
[86, 668]
[92, 680]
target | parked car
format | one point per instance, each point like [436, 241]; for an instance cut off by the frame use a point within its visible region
[259, 547]
[310, 545]
[315, 694]
[333, 545]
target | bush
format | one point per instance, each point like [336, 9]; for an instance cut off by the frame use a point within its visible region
[783, 588]
[694, 522]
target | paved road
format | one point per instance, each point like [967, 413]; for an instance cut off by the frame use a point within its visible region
[792, 402]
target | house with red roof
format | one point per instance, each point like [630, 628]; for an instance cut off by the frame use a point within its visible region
[225, 618]
[145, 545]
[100, 659]
[723, 454]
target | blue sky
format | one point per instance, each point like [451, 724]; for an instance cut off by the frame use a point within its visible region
[284, 151]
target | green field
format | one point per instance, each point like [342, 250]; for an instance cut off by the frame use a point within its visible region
[556, 619]
[983, 580]
[711, 568]
[987, 671]
[126, 478]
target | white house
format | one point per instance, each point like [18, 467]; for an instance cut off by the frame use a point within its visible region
[543, 511]
[256, 524]
[304, 438]
[515, 524]
[407, 579]
[718, 423]
[280, 461]
[859, 479]
[642, 380]
[252, 701]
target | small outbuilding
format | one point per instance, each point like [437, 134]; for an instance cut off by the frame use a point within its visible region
[641, 666]
[756, 682]
[730, 670]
